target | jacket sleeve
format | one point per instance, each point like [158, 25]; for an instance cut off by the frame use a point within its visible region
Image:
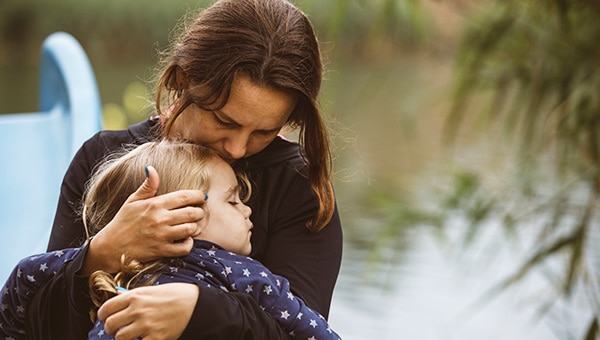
[221, 315]
[60, 309]
[310, 260]
[302, 321]
[68, 229]
[23, 295]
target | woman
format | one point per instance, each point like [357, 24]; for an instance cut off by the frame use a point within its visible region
[240, 73]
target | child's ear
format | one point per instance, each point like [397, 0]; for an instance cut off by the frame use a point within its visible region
[202, 224]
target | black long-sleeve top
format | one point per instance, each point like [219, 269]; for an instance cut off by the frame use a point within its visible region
[282, 201]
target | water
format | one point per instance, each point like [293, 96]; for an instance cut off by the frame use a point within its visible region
[438, 293]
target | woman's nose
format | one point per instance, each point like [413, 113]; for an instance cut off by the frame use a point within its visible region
[236, 146]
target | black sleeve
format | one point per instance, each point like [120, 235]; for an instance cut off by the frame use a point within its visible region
[60, 309]
[68, 229]
[282, 202]
[309, 260]
[220, 315]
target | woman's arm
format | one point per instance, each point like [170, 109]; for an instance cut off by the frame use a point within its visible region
[282, 203]
[23, 298]
[163, 311]
[233, 315]
[68, 229]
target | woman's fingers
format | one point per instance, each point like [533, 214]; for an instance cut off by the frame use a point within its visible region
[169, 201]
[113, 313]
[181, 247]
[186, 214]
[153, 312]
[180, 198]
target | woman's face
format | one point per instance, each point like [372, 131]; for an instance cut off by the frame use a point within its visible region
[227, 221]
[249, 121]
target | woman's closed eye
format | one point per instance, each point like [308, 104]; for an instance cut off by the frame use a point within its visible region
[267, 133]
[224, 124]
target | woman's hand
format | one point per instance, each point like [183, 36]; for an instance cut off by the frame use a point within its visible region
[152, 312]
[147, 227]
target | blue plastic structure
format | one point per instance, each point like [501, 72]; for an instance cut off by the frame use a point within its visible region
[36, 148]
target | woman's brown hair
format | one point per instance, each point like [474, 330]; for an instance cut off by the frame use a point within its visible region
[272, 43]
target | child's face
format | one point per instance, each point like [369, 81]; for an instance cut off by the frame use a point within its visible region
[228, 219]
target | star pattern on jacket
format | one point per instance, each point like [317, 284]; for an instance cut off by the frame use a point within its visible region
[211, 266]
[28, 276]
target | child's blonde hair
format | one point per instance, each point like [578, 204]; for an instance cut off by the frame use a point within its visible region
[181, 165]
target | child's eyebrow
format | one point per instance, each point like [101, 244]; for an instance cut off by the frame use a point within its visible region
[233, 190]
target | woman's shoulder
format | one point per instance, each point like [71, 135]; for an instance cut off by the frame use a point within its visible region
[139, 133]
[106, 141]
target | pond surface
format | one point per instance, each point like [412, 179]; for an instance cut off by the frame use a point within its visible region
[440, 293]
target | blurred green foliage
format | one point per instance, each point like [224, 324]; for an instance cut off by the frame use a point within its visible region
[108, 30]
[536, 64]
[117, 30]
[363, 27]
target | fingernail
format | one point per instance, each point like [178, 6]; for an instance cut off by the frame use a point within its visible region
[121, 289]
[205, 196]
[147, 171]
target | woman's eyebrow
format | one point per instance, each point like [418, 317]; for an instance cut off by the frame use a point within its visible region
[224, 116]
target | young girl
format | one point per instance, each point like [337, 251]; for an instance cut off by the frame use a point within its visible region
[222, 243]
